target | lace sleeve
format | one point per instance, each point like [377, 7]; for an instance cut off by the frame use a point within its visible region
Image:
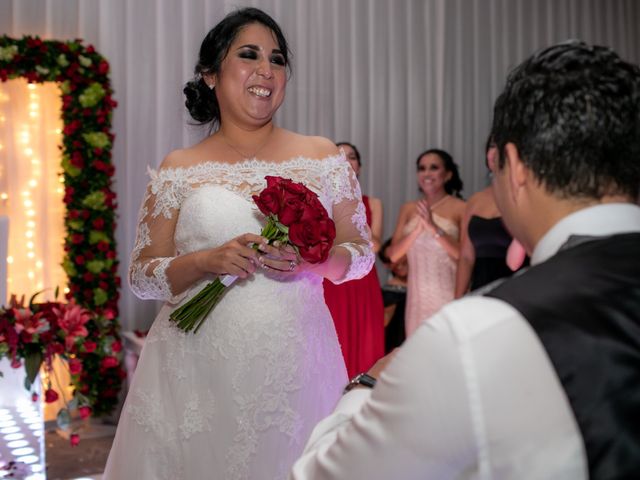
[349, 215]
[154, 247]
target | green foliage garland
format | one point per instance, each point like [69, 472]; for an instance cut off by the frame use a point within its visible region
[90, 249]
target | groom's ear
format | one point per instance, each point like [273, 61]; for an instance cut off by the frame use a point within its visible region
[517, 171]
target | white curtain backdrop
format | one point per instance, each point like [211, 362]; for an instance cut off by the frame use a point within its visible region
[393, 76]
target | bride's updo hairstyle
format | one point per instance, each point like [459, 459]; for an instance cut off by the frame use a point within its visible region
[201, 100]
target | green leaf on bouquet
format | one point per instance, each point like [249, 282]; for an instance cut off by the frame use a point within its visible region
[282, 228]
[192, 314]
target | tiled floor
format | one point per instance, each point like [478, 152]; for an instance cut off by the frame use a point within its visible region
[49, 455]
[86, 461]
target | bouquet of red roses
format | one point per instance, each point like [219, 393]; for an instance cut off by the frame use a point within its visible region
[295, 217]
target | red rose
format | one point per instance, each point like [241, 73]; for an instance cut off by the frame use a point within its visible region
[75, 366]
[269, 200]
[100, 165]
[77, 160]
[90, 346]
[103, 67]
[313, 238]
[273, 181]
[16, 363]
[102, 246]
[57, 348]
[50, 395]
[291, 211]
[314, 209]
[84, 411]
[74, 439]
[294, 189]
[116, 346]
[109, 362]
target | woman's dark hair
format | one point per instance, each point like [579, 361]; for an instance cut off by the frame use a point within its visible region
[201, 100]
[454, 184]
[355, 150]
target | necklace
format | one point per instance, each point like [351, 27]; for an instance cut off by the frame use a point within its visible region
[242, 155]
[431, 207]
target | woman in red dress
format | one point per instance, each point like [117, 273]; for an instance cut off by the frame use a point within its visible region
[356, 306]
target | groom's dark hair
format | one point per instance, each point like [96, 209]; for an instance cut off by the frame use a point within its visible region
[573, 112]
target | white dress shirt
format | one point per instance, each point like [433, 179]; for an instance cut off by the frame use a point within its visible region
[472, 394]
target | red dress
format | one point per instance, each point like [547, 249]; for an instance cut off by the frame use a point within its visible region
[358, 315]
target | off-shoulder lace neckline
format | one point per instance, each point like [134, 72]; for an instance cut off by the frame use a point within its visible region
[252, 162]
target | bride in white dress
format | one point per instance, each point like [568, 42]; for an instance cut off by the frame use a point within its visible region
[237, 399]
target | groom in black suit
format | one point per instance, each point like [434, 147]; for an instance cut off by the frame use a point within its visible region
[540, 377]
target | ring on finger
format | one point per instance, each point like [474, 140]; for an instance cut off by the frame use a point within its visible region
[292, 265]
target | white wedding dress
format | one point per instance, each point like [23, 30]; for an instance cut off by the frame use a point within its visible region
[237, 399]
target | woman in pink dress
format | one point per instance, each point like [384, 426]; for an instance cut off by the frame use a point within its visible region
[428, 233]
[356, 306]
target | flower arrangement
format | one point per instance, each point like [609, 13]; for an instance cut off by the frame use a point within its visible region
[90, 249]
[31, 335]
[295, 217]
[87, 105]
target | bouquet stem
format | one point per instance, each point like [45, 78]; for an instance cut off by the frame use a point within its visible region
[192, 314]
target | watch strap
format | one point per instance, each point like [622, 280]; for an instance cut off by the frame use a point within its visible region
[363, 379]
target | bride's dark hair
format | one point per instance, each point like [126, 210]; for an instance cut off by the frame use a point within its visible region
[201, 101]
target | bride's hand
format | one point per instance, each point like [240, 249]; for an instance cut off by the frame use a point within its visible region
[236, 257]
[280, 258]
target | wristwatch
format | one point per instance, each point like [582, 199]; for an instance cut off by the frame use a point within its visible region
[363, 379]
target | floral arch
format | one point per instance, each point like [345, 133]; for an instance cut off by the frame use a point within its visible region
[90, 262]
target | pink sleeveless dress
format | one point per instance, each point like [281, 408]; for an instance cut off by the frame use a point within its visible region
[432, 274]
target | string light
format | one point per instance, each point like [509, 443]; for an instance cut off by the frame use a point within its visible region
[29, 247]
